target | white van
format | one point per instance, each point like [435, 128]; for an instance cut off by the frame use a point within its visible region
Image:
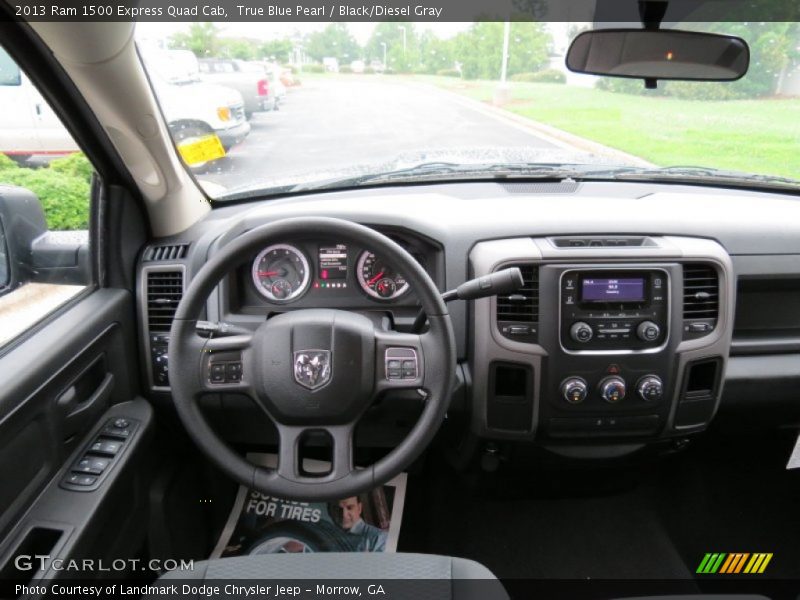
[29, 125]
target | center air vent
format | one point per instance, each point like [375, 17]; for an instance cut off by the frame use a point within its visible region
[159, 253]
[164, 293]
[700, 299]
[518, 313]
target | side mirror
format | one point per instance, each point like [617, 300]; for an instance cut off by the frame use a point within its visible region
[31, 253]
[653, 54]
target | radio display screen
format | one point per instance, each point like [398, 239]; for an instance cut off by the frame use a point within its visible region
[627, 289]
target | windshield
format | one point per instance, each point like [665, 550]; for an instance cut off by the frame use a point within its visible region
[260, 110]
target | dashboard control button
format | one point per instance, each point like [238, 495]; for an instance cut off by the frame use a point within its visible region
[650, 388]
[574, 390]
[581, 332]
[612, 389]
[648, 331]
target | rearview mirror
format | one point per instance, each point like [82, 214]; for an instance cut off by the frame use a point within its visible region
[659, 54]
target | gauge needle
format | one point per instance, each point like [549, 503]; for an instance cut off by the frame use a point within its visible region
[268, 273]
[374, 279]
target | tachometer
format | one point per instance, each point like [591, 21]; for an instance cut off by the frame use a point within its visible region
[281, 273]
[378, 279]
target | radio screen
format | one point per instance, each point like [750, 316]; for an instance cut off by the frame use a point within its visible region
[613, 290]
[333, 262]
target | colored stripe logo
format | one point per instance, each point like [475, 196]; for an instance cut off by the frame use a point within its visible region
[734, 563]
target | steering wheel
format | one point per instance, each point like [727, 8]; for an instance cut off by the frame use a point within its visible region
[312, 370]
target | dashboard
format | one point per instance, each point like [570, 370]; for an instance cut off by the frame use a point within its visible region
[645, 307]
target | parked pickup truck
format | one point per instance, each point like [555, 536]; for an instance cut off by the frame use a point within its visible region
[192, 108]
[248, 78]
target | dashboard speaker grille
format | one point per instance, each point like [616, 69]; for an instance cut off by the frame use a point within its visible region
[700, 292]
[164, 293]
[523, 305]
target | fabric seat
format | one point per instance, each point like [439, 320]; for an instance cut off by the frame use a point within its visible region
[415, 576]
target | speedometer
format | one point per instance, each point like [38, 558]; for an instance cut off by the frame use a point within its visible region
[281, 273]
[378, 279]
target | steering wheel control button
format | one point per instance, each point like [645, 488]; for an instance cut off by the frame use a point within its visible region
[91, 465]
[612, 389]
[574, 390]
[401, 363]
[228, 371]
[581, 332]
[105, 447]
[650, 388]
[648, 331]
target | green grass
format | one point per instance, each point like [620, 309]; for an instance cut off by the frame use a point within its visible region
[755, 136]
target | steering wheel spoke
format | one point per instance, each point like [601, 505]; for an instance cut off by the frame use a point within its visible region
[399, 360]
[289, 452]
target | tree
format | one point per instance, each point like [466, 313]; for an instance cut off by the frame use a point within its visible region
[336, 41]
[480, 49]
[201, 39]
[279, 50]
[242, 48]
[401, 55]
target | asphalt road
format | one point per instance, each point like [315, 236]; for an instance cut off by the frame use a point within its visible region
[338, 123]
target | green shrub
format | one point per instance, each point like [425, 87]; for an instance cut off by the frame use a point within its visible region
[63, 189]
[314, 68]
[448, 73]
[7, 163]
[369, 71]
[545, 76]
[76, 165]
[346, 69]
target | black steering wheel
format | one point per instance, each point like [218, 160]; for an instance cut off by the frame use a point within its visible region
[314, 370]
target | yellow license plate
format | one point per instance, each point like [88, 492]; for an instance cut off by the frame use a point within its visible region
[203, 149]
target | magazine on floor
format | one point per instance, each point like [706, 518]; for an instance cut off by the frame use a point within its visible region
[263, 524]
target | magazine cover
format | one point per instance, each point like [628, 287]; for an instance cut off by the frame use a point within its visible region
[262, 524]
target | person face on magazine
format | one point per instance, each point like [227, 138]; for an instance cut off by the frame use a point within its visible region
[351, 509]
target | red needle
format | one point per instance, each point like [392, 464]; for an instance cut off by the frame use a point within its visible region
[267, 273]
[374, 279]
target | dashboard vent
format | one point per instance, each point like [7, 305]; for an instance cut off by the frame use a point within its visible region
[700, 299]
[164, 293]
[523, 305]
[160, 253]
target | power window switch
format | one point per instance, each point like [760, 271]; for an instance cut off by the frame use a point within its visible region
[78, 479]
[106, 447]
[91, 465]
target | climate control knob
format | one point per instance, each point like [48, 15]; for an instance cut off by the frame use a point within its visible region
[581, 332]
[574, 390]
[648, 331]
[612, 389]
[650, 388]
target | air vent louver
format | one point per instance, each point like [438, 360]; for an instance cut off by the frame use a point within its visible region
[700, 299]
[164, 293]
[521, 307]
[161, 253]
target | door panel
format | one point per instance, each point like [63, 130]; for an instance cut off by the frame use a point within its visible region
[56, 386]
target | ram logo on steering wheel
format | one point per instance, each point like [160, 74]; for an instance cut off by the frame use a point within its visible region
[312, 368]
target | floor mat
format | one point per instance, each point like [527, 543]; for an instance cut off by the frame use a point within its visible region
[725, 495]
[261, 524]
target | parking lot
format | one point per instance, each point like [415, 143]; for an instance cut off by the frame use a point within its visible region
[334, 123]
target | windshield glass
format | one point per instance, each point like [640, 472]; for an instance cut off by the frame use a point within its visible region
[257, 109]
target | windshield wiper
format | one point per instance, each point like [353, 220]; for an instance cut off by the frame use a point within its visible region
[692, 174]
[432, 171]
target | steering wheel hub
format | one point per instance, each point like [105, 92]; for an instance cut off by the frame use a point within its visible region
[314, 366]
